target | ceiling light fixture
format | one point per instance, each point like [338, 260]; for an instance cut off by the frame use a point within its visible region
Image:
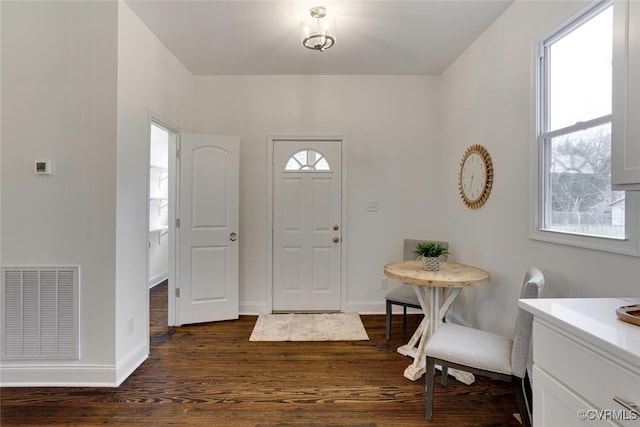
[319, 32]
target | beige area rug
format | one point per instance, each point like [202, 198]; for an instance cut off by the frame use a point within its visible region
[309, 327]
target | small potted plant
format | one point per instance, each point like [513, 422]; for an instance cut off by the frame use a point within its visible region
[431, 253]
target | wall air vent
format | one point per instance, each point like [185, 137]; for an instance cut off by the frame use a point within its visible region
[40, 312]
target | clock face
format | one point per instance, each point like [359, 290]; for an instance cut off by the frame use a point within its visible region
[476, 176]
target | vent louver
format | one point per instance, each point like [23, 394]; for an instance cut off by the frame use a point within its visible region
[40, 312]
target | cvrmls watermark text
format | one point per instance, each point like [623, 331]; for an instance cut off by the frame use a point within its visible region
[608, 415]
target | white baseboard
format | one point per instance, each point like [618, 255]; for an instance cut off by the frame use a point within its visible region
[43, 375]
[252, 308]
[57, 376]
[361, 307]
[156, 280]
[365, 307]
[376, 307]
[130, 362]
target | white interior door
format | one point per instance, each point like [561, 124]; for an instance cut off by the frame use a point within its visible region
[207, 246]
[307, 229]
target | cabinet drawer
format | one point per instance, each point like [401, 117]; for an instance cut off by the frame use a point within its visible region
[591, 373]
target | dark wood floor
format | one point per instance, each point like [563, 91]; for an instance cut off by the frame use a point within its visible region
[211, 375]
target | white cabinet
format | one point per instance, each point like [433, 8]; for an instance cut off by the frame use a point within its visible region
[558, 404]
[586, 363]
[625, 144]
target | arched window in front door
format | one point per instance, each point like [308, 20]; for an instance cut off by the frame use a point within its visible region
[307, 160]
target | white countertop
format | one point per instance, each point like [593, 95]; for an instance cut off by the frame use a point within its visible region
[592, 319]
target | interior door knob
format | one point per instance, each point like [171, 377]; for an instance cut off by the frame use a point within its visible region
[336, 227]
[336, 239]
[233, 236]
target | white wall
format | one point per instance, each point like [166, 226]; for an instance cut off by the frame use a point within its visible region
[391, 125]
[488, 99]
[79, 80]
[1, 136]
[150, 80]
[59, 103]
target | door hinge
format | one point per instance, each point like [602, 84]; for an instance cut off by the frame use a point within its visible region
[178, 223]
[177, 292]
[178, 153]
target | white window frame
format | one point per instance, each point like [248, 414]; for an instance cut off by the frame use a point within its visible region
[628, 245]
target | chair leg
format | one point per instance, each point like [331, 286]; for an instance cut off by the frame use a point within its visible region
[520, 399]
[430, 373]
[388, 321]
[404, 316]
[445, 375]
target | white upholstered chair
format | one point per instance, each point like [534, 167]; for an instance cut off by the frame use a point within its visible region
[404, 294]
[487, 354]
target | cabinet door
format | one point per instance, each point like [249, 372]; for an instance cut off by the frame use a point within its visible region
[556, 405]
[625, 146]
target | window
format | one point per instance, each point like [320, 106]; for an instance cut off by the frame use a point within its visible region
[307, 160]
[574, 132]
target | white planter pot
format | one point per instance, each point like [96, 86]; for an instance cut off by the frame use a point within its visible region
[431, 263]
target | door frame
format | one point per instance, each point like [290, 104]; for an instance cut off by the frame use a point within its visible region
[271, 139]
[174, 142]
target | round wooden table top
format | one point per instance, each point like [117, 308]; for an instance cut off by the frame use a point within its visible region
[451, 274]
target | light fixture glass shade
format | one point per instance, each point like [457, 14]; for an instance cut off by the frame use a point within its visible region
[318, 29]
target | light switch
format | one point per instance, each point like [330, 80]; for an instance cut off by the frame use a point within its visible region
[44, 167]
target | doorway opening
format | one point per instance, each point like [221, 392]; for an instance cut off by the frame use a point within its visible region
[163, 139]
[158, 239]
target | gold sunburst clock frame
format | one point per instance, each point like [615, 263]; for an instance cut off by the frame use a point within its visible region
[475, 177]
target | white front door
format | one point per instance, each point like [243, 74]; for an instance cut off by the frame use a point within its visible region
[307, 229]
[207, 246]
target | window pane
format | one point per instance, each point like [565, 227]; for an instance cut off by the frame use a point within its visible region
[580, 73]
[307, 160]
[293, 165]
[322, 165]
[579, 183]
[301, 157]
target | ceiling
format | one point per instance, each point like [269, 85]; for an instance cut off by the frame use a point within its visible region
[242, 37]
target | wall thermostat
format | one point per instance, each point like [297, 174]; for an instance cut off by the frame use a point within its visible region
[44, 167]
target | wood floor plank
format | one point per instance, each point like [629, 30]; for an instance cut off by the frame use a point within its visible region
[212, 375]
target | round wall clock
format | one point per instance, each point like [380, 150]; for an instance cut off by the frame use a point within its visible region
[476, 176]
